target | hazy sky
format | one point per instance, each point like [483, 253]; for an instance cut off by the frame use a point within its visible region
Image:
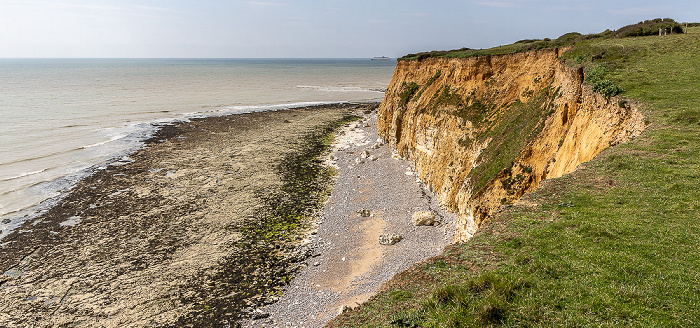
[307, 28]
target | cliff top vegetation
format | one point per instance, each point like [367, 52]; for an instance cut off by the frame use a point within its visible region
[643, 28]
[612, 244]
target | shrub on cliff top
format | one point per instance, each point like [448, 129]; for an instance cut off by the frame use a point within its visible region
[569, 37]
[527, 41]
[649, 27]
[595, 76]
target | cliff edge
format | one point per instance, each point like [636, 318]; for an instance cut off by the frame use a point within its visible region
[484, 131]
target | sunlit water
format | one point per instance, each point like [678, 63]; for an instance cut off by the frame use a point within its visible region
[62, 118]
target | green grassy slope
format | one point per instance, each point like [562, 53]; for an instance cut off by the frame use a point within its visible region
[647, 27]
[616, 243]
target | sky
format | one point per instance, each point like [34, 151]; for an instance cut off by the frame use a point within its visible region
[305, 28]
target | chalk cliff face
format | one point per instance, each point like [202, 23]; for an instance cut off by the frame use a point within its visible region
[484, 131]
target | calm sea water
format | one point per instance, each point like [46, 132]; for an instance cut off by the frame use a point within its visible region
[62, 118]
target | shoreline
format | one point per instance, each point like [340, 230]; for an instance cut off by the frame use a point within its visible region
[144, 243]
[137, 139]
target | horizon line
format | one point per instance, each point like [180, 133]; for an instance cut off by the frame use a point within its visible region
[213, 58]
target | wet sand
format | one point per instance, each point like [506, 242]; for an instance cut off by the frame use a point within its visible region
[157, 241]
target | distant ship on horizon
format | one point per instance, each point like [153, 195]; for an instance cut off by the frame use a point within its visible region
[380, 58]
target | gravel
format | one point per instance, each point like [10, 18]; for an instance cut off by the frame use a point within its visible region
[349, 265]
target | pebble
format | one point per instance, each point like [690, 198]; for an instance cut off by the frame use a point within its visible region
[378, 188]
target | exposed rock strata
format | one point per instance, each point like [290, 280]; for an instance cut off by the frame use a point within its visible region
[484, 131]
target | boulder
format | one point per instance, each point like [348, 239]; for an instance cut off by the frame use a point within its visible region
[363, 213]
[259, 314]
[389, 239]
[344, 309]
[423, 218]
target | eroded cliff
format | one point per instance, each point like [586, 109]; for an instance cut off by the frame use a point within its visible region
[484, 131]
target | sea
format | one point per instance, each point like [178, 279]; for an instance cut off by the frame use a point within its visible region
[61, 119]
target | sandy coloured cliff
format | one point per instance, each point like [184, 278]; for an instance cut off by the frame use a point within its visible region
[483, 131]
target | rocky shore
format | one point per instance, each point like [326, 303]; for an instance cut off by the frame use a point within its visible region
[379, 221]
[195, 229]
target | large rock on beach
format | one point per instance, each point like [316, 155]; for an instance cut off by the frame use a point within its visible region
[363, 212]
[423, 218]
[389, 239]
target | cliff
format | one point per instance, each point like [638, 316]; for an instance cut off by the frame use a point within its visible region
[484, 131]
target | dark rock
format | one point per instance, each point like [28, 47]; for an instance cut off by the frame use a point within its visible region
[389, 239]
[364, 213]
[259, 314]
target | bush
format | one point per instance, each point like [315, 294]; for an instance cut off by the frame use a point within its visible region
[527, 41]
[570, 37]
[595, 76]
[649, 27]
[607, 88]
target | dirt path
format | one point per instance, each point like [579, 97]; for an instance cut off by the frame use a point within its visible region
[349, 264]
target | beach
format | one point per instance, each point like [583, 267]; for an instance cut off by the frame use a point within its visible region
[159, 239]
[182, 233]
[63, 117]
[375, 193]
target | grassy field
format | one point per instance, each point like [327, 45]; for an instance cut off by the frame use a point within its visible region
[616, 243]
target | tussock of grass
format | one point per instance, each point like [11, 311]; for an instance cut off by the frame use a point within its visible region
[612, 244]
[407, 91]
[596, 76]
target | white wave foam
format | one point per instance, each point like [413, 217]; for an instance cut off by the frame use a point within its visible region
[22, 175]
[244, 109]
[115, 138]
[114, 151]
[339, 89]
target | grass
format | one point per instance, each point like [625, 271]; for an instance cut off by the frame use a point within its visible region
[520, 125]
[614, 243]
[596, 75]
[648, 27]
[507, 136]
[407, 92]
